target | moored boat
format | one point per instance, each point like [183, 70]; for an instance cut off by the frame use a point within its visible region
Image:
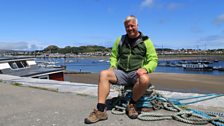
[27, 67]
[197, 66]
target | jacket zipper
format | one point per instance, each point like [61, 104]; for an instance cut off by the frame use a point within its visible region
[128, 63]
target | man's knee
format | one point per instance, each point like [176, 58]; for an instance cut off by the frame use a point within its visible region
[107, 74]
[104, 73]
[144, 79]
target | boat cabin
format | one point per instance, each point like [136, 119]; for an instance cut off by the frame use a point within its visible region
[27, 67]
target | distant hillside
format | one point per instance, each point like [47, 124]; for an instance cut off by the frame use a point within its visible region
[76, 50]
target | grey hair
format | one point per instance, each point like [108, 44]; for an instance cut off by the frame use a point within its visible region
[131, 17]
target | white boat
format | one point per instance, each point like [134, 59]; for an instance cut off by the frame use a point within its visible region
[197, 66]
[28, 67]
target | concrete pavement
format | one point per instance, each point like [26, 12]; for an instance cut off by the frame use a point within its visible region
[25, 106]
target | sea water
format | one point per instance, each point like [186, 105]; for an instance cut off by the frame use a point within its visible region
[95, 65]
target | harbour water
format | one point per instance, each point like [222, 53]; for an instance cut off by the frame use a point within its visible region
[95, 65]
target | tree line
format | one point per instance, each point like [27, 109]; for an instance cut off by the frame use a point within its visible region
[76, 50]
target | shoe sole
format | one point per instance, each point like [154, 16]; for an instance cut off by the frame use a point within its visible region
[133, 117]
[90, 122]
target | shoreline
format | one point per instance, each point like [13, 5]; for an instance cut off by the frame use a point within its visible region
[186, 83]
[161, 57]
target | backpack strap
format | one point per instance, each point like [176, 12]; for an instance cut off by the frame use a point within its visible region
[121, 42]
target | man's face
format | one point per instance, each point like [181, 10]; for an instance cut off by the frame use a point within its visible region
[131, 28]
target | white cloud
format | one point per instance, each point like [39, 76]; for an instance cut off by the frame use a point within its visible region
[34, 47]
[14, 45]
[219, 20]
[20, 45]
[147, 3]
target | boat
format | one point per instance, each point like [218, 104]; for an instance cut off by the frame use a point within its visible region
[27, 67]
[101, 60]
[221, 69]
[218, 68]
[197, 66]
[216, 60]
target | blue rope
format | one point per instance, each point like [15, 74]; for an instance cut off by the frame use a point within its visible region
[210, 96]
[206, 95]
[218, 122]
[216, 113]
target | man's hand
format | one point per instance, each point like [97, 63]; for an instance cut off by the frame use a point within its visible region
[141, 71]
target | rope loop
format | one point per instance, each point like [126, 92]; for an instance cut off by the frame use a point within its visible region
[118, 110]
[157, 101]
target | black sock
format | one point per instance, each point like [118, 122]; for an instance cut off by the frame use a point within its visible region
[132, 101]
[101, 107]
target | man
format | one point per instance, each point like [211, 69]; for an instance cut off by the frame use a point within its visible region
[133, 57]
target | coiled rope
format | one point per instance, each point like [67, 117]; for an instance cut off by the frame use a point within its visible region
[158, 101]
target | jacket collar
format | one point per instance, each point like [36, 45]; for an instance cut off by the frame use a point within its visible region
[141, 39]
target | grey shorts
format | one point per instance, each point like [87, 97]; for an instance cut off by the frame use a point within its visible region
[124, 78]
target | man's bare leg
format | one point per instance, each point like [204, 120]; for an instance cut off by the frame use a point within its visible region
[138, 90]
[141, 86]
[106, 76]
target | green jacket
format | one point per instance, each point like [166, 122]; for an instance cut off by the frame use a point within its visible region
[127, 58]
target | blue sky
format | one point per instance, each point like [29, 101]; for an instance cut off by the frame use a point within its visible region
[35, 24]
